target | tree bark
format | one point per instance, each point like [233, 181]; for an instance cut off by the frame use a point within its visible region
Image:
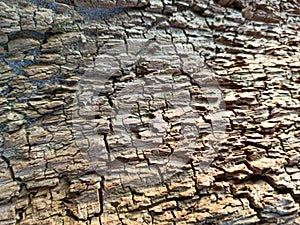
[149, 112]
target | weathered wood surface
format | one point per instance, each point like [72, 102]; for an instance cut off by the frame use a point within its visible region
[74, 152]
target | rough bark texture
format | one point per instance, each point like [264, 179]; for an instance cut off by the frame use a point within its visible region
[63, 160]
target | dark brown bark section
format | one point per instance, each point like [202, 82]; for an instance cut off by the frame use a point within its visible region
[48, 177]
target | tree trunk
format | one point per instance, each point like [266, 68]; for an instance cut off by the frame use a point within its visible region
[149, 112]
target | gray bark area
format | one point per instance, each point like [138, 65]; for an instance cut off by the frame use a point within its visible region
[149, 112]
